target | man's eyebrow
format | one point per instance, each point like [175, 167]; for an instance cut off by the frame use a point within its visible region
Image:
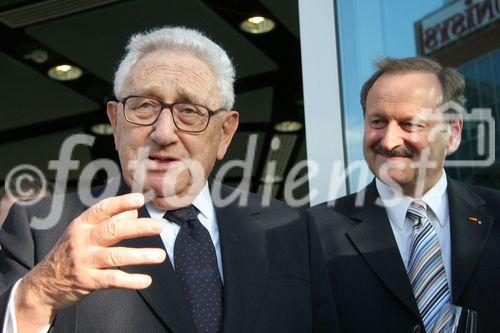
[374, 113]
[184, 95]
[188, 96]
[148, 92]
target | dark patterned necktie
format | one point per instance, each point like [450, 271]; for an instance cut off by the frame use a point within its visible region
[196, 267]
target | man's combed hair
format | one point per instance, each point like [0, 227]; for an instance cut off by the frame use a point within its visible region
[452, 82]
[179, 39]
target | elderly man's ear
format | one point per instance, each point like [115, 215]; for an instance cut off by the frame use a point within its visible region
[455, 135]
[229, 125]
[112, 110]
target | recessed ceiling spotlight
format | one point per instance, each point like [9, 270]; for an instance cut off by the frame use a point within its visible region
[65, 72]
[257, 25]
[102, 129]
[288, 126]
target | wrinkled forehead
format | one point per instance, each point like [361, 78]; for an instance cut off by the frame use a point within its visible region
[161, 73]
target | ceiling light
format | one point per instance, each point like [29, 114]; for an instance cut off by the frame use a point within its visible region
[288, 126]
[257, 25]
[102, 129]
[256, 19]
[65, 72]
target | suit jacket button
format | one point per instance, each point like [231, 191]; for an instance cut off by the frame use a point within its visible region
[417, 329]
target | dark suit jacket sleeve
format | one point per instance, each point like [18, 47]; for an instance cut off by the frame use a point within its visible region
[16, 256]
[324, 310]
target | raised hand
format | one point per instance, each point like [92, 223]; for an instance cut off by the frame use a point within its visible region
[83, 261]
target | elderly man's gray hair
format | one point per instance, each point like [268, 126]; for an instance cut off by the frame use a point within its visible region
[182, 39]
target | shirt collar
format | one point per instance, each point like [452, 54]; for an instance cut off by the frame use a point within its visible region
[396, 204]
[203, 202]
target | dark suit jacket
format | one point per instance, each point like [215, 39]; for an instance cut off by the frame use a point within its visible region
[369, 280]
[274, 274]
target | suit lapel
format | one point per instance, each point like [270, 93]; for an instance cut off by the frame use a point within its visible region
[165, 296]
[243, 240]
[467, 237]
[374, 239]
[243, 247]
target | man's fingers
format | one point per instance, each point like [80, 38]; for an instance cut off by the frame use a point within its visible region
[114, 231]
[129, 214]
[116, 278]
[124, 256]
[110, 207]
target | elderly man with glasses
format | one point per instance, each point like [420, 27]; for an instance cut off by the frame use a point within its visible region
[162, 256]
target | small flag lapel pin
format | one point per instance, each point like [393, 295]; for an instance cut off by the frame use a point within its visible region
[474, 219]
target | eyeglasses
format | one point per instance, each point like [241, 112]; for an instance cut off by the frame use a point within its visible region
[188, 117]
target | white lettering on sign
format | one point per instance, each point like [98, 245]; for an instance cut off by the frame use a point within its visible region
[455, 21]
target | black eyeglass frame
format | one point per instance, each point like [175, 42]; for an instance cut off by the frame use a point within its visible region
[170, 106]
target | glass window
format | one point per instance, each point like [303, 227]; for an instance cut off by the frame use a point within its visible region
[369, 30]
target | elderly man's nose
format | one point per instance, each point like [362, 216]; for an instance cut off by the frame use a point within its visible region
[164, 129]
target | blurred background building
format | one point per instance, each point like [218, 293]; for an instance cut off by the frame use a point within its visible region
[466, 35]
[463, 33]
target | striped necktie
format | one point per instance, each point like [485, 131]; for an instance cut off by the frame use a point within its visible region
[425, 267]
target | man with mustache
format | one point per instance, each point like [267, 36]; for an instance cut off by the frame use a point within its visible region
[413, 241]
[180, 262]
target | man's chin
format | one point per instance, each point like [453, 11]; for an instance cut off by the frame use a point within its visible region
[172, 201]
[394, 178]
[172, 196]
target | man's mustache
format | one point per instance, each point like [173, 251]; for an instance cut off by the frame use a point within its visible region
[396, 152]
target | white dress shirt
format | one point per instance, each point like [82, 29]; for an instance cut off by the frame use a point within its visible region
[203, 202]
[396, 205]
